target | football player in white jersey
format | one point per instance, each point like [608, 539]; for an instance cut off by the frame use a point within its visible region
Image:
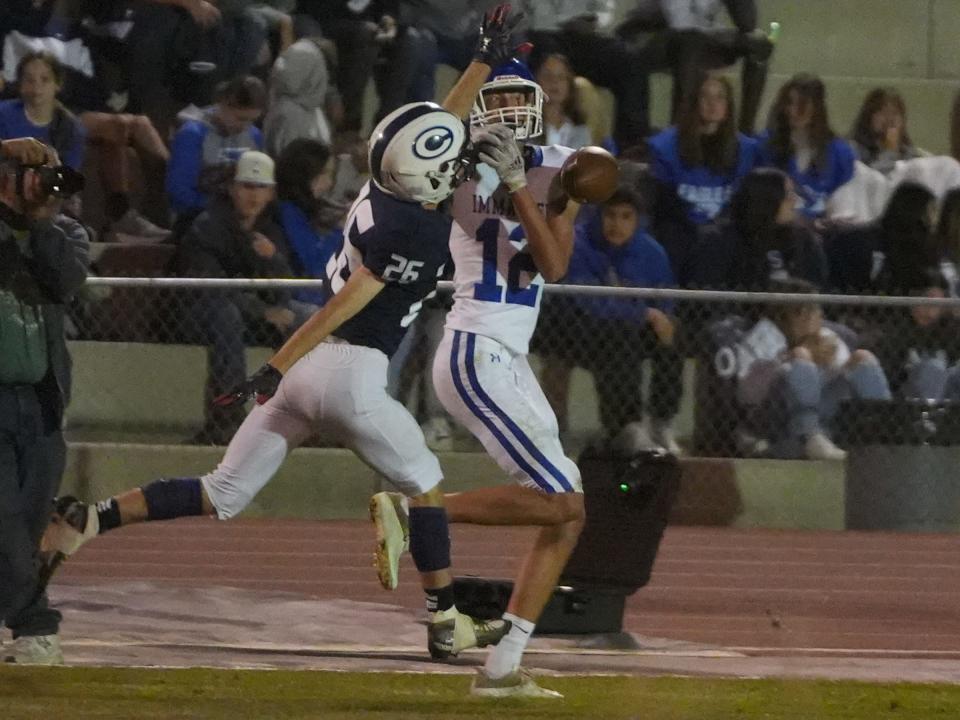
[332, 371]
[513, 230]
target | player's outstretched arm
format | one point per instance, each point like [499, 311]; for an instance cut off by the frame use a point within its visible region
[358, 291]
[494, 48]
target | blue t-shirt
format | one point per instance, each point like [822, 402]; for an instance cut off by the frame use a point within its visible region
[310, 249]
[404, 245]
[814, 185]
[14, 123]
[704, 192]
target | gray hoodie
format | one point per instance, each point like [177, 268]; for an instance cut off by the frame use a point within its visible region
[298, 88]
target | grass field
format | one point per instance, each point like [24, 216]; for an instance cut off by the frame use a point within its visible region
[146, 694]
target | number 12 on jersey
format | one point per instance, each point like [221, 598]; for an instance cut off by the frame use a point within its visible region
[520, 262]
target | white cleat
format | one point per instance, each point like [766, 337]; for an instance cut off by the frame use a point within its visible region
[820, 447]
[34, 650]
[389, 515]
[519, 684]
[72, 524]
[449, 632]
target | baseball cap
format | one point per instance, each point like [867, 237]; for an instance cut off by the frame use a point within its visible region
[254, 167]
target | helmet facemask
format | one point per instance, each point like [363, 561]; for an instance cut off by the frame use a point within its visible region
[526, 120]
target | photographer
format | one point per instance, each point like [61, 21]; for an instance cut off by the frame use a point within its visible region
[43, 261]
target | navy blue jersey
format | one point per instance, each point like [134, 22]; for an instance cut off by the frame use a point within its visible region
[404, 245]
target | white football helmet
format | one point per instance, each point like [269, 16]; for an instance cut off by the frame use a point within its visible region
[419, 153]
[526, 120]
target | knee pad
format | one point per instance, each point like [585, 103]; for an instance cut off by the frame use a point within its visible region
[170, 498]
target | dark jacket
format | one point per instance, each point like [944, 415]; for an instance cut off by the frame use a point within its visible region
[217, 246]
[901, 342]
[59, 262]
[726, 260]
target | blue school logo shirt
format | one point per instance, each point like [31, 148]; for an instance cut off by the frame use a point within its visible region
[704, 192]
[814, 186]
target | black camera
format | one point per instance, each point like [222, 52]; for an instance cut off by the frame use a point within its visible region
[61, 181]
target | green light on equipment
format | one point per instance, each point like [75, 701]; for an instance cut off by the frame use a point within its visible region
[624, 487]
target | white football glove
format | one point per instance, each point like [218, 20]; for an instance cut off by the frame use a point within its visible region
[497, 147]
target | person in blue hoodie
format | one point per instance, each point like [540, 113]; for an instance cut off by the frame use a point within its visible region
[312, 224]
[800, 141]
[697, 165]
[204, 152]
[614, 335]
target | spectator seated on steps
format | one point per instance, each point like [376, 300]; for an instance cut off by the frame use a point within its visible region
[204, 151]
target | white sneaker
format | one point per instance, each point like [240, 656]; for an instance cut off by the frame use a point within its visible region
[633, 438]
[661, 433]
[389, 514]
[135, 224]
[438, 434]
[519, 684]
[34, 650]
[820, 447]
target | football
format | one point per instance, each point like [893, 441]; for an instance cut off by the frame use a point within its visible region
[590, 175]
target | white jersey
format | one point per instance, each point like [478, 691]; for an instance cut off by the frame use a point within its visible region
[497, 287]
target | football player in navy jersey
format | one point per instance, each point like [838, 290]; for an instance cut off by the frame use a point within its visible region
[332, 371]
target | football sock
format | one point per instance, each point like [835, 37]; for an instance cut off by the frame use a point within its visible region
[429, 538]
[505, 657]
[108, 513]
[439, 599]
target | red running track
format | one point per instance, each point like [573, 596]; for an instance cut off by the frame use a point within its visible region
[759, 589]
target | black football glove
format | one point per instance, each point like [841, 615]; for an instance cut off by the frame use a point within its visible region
[493, 46]
[262, 384]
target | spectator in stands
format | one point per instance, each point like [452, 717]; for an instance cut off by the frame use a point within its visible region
[688, 38]
[112, 137]
[920, 347]
[884, 256]
[580, 30]
[563, 119]
[367, 32]
[235, 238]
[947, 239]
[275, 17]
[800, 141]
[38, 113]
[759, 239]
[184, 46]
[204, 151]
[880, 135]
[697, 165]
[793, 372]
[312, 224]
[299, 85]
[614, 335]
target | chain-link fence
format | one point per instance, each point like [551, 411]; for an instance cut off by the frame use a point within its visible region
[708, 374]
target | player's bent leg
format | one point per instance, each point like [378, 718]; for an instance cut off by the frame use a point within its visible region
[252, 458]
[385, 436]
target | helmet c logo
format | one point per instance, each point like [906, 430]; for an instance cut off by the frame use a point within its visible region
[433, 142]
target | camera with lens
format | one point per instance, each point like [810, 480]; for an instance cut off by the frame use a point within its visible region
[59, 181]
